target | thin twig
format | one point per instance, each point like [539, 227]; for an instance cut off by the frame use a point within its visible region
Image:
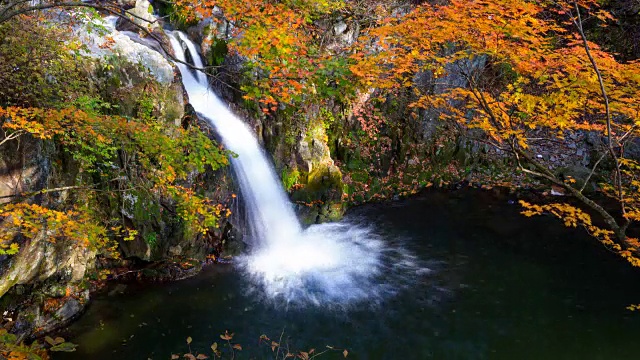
[593, 170]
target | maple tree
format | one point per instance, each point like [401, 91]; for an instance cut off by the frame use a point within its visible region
[531, 73]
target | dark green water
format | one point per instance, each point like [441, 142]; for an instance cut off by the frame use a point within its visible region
[501, 286]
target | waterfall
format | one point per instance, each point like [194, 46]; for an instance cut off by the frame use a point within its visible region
[271, 215]
[197, 61]
[338, 263]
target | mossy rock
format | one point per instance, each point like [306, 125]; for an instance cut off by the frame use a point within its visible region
[579, 173]
[322, 183]
[320, 199]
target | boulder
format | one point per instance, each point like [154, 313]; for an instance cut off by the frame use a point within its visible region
[141, 15]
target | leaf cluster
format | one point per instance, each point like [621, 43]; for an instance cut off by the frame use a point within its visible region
[39, 64]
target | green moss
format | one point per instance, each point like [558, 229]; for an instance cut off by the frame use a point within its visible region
[151, 239]
[290, 177]
[324, 178]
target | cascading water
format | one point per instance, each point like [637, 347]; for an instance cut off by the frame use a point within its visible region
[325, 264]
[197, 60]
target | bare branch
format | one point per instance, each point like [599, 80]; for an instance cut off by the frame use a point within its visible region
[577, 21]
[12, 136]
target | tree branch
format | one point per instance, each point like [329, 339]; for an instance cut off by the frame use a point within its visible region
[12, 136]
[577, 21]
[543, 172]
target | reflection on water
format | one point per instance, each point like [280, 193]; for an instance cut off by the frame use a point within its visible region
[492, 285]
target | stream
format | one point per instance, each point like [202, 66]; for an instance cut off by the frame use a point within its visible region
[484, 283]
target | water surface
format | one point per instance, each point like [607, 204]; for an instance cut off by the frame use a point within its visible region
[492, 285]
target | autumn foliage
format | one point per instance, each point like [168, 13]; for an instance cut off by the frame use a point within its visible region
[531, 74]
[530, 77]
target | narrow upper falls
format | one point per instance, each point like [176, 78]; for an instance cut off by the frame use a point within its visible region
[270, 213]
[328, 264]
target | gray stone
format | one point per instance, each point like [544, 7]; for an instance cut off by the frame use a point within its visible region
[593, 138]
[339, 28]
[579, 173]
[69, 310]
[632, 149]
[141, 15]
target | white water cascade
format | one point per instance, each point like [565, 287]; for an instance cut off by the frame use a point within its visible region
[325, 264]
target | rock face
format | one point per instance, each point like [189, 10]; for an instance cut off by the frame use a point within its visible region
[43, 286]
[453, 78]
[39, 260]
[319, 198]
[23, 170]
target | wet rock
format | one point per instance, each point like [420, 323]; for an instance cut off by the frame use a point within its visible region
[37, 319]
[70, 309]
[234, 247]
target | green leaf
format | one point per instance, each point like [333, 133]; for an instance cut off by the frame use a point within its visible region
[50, 340]
[64, 347]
